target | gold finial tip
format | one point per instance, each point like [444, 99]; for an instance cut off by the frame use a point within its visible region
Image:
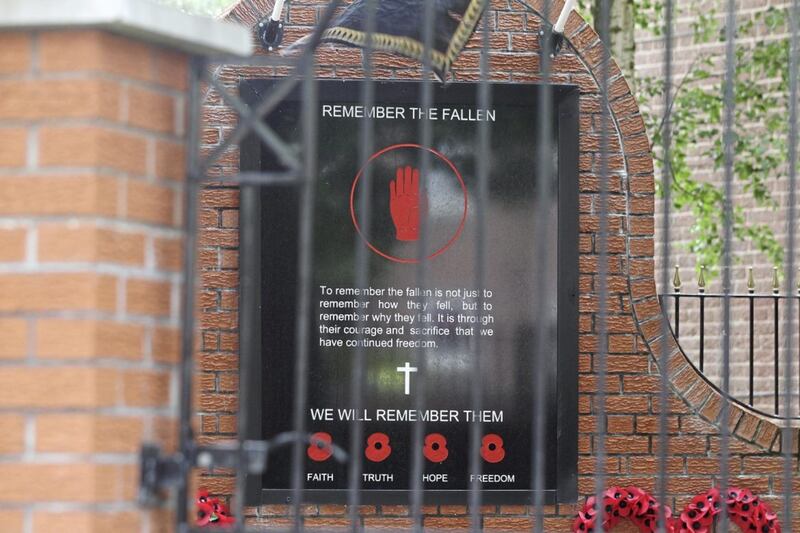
[676, 279]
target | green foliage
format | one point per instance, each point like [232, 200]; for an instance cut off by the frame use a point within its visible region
[584, 7]
[760, 130]
[647, 14]
[209, 8]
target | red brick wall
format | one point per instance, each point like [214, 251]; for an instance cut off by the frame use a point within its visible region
[650, 62]
[634, 321]
[91, 152]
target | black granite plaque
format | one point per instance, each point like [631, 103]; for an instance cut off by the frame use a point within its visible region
[402, 210]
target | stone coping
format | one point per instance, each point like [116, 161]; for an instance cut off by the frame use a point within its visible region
[138, 19]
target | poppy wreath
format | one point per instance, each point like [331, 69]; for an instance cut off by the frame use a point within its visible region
[211, 511]
[748, 512]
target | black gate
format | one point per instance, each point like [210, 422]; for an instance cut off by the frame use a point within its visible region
[294, 163]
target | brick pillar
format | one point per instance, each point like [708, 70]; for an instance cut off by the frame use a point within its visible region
[92, 132]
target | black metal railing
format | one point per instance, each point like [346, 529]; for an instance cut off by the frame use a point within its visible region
[247, 456]
[759, 354]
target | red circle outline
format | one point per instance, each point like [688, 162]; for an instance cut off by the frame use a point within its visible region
[449, 243]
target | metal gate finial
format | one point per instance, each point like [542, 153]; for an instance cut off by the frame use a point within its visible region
[701, 280]
[776, 284]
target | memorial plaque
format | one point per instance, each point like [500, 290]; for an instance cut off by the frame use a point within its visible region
[400, 211]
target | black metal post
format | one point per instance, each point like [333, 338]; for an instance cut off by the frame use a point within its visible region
[186, 435]
[777, 348]
[752, 347]
[702, 331]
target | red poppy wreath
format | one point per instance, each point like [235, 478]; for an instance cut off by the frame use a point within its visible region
[211, 511]
[634, 504]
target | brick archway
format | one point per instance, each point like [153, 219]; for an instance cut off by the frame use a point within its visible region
[634, 313]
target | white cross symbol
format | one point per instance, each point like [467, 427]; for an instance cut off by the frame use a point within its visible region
[407, 370]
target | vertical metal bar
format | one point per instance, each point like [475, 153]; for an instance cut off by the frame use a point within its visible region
[666, 186]
[248, 199]
[186, 438]
[729, 144]
[421, 353]
[544, 177]
[248, 328]
[702, 331]
[787, 433]
[362, 274]
[483, 164]
[304, 278]
[776, 353]
[751, 341]
[602, 285]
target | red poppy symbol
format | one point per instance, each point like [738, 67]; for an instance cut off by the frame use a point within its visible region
[435, 449]
[492, 448]
[378, 448]
[320, 448]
